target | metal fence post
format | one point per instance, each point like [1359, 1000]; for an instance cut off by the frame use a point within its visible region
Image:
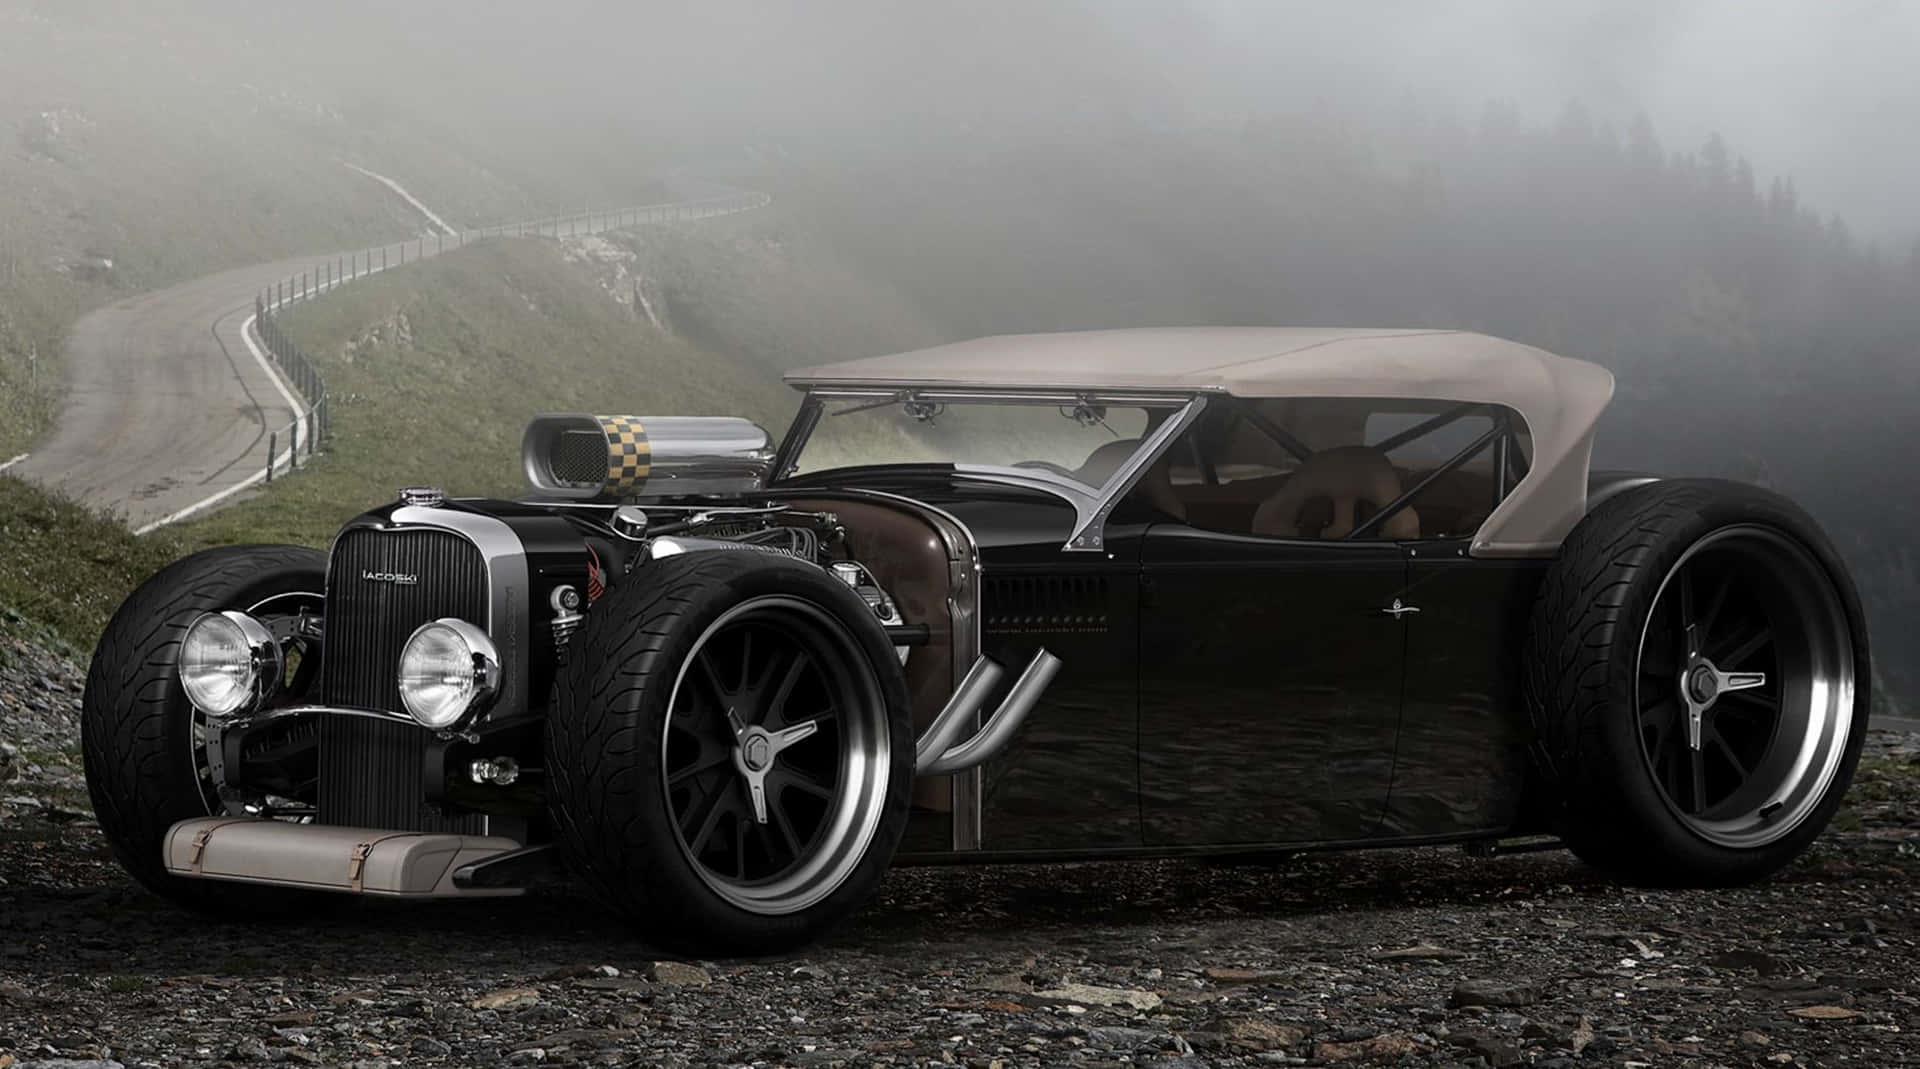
[272, 448]
[293, 445]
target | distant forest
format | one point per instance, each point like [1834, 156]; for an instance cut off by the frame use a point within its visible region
[1752, 336]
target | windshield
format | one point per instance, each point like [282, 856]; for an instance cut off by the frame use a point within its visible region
[1081, 442]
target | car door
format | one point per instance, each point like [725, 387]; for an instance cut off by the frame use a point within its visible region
[1270, 686]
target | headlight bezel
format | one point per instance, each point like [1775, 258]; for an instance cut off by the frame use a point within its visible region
[265, 668]
[480, 659]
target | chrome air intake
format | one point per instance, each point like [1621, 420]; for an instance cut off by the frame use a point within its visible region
[629, 458]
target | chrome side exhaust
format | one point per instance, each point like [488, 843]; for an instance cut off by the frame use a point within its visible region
[936, 753]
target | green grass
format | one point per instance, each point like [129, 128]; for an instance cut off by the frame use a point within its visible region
[435, 370]
[65, 569]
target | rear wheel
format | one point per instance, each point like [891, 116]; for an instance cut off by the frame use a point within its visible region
[730, 751]
[1697, 675]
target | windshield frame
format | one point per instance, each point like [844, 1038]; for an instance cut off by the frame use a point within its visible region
[1091, 507]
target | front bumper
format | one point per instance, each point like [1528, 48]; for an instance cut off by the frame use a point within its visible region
[366, 861]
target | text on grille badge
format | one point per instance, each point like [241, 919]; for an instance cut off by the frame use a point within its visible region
[396, 578]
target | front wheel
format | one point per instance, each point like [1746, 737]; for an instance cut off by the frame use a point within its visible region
[729, 752]
[152, 759]
[1698, 678]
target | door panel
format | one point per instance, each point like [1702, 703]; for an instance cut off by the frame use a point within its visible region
[1270, 687]
[1463, 759]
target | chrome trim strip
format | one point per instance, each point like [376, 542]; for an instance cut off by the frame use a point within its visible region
[286, 712]
[960, 393]
[1089, 532]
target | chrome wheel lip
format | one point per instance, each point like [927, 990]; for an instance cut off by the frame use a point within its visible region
[1817, 695]
[854, 815]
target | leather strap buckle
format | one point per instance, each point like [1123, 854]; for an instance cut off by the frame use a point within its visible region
[357, 863]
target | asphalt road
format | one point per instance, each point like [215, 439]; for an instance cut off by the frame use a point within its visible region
[165, 405]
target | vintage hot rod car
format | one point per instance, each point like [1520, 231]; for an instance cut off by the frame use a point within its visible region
[1254, 591]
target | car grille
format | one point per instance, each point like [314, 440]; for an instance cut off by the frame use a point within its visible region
[372, 773]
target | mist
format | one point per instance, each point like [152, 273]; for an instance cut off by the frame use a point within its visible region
[1805, 91]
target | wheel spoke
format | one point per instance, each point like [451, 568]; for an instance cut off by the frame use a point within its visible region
[1747, 648]
[739, 849]
[1698, 764]
[1717, 602]
[803, 781]
[1687, 623]
[784, 824]
[746, 659]
[717, 689]
[1726, 751]
[776, 704]
[702, 764]
[1754, 703]
[709, 816]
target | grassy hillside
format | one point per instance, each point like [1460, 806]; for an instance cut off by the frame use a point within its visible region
[65, 569]
[145, 143]
[436, 368]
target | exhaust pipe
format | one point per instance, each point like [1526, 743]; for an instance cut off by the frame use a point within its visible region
[968, 699]
[935, 754]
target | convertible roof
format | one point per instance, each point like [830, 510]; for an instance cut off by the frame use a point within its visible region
[1559, 398]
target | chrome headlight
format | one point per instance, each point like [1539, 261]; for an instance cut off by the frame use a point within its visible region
[448, 669]
[229, 663]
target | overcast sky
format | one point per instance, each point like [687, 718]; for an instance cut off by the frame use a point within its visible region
[1822, 90]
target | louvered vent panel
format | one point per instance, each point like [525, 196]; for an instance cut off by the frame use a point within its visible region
[1021, 604]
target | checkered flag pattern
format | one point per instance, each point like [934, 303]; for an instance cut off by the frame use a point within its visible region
[629, 459]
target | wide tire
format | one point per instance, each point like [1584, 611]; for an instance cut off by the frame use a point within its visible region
[676, 672]
[1708, 597]
[137, 728]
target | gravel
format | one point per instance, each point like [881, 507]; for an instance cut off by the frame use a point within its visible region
[1397, 957]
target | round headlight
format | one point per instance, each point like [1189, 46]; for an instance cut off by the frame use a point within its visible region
[229, 663]
[447, 669]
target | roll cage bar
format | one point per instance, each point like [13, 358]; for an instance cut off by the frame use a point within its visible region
[1092, 508]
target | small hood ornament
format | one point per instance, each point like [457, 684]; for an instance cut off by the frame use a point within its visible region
[426, 497]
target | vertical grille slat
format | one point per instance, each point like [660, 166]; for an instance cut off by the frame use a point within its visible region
[372, 773]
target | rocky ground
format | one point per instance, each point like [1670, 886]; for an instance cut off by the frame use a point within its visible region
[1393, 957]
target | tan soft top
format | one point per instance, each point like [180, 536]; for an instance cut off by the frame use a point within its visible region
[1559, 398]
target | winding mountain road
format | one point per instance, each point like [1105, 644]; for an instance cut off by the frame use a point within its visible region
[170, 404]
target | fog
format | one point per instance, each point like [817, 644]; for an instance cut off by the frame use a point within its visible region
[1819, 92]
[1710, 198]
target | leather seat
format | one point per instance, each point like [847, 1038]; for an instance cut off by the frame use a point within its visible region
[1346, 476]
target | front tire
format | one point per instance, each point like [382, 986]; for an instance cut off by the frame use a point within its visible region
[1697, 675]
[696, 678]
[145, 747]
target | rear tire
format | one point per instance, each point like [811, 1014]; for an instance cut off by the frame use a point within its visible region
[141, 739]
[651, 749]
[1689, 597]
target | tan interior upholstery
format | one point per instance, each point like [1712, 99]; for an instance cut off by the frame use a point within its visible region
[1155, 486]
[1346, 477]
